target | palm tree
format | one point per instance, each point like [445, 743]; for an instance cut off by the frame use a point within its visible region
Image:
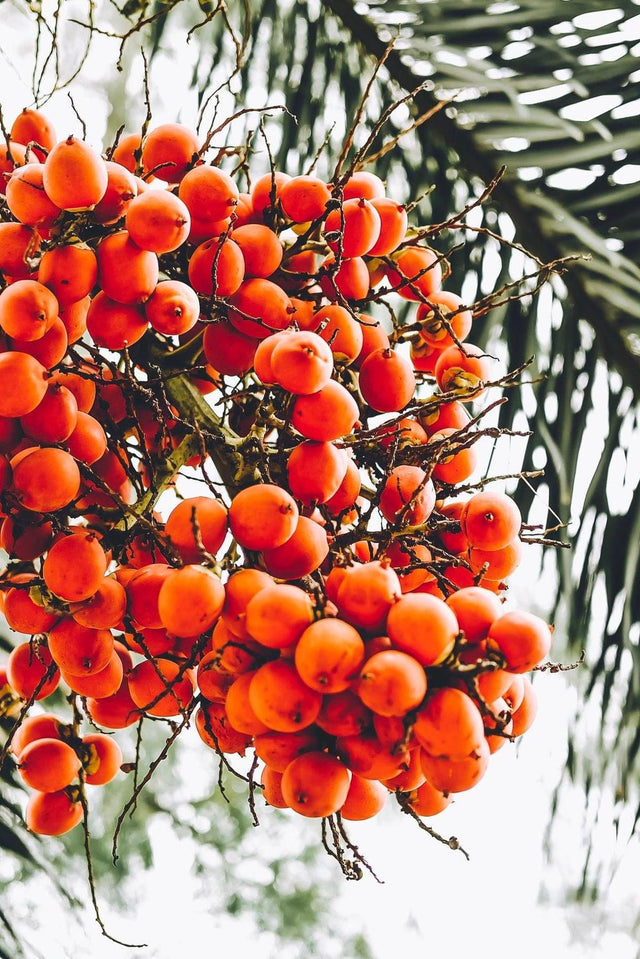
[548, 91]
[546, 95]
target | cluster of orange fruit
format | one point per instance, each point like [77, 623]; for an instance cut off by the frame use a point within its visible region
[340, 608]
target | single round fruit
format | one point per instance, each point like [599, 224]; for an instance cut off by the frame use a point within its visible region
[315, 784]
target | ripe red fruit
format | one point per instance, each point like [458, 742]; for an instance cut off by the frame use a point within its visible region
[304, 551]
[208, 192]
[464, 370]
[423, 626]
[169, 151]
[74, 175]
[418, 272]
[304, 198]
[367, 593]
[102, 758]
[326, 415]
[353, 229]
[523, 639]
[75, 566]
[52, 814]
[198, 514]
[281, 700]
[32, 126]
[315, 784]
[391, 683]
[277, 615]
[302, 363]
[161, 687]
[31, 671]
[491, 520]
[263, 516]
[27, 310]
[315, 471]
[387, 381]
[46, 480]
[408, 496]
[328, 655]
[449, 724]
[190, 601]
[48, 765]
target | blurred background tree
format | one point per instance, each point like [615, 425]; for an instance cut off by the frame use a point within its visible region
[549, 91]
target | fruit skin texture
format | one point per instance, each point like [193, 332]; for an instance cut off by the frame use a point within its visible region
[424, 627]
[27, 310]
[281, 700]
[23, 383]
[52, 814]
[210, 516]
[157, 696]
[465, 370]
[426, 800]
[263, 517]
[304, 198]
[365, 799]
[48, 765]
[491, 520]
[79, 650]
[303, 552]
[172, 308]
[420, 266]
[475, 609]
[449, 724]
[218, 259]
[525, 713]
[315, 471]
[69, 272]
[157, 221]
[42, 726]
[75, 176]
[302, 363]
[104, 758]
[523, 638]
[387, 381]
[327, 414]
[391, 683]
[315, 784]
[46, 480]
[26, 669]
[173, 145]
[277, 750]
[278, 615]
[358, 222]
[328, 655]
[31, 125]
[408, 496]
[126, 273]
[367, 593]
[190, 601]
[453, 776]
[74, 566]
